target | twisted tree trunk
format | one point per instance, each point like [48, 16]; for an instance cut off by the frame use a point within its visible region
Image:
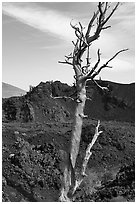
[69, 168]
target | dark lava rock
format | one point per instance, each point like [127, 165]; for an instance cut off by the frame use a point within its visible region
[40, 105]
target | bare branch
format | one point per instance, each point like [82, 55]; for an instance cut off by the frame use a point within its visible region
[102, 14]
[82, 28]
[74, 43]
[101, 21]
[109, 66]
[74, 26]
[103, 28]
[101, 87]
[62, 97]
[87, 157]
[88, 150]
[96, 65]
[85, 68]
[79, 33]
[100, 7]
[68, 57]
[106, 64]
[123, 50]
[65, 62]
[106, 7]
[114, 9]
[87, 98]
[88, 63]
[83, 41]
[90, 25]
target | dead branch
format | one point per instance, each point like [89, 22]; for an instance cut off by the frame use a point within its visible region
[101, 87]
[68, 57]
[88, 58]
[62, 97]
[87, 98]
[96, 65]
[90, 25]
[84, 41]
[65, 62]
[103, 28]
[101, 20]
[106, 64]
[73, 43]
[80, 37]
[87, 157]
[113, 10]
[123, 50]
[88, 150]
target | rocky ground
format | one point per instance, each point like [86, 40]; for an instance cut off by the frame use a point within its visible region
[31, 161]
[37, 129]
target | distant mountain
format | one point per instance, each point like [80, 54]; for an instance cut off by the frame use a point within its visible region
[39, 105]
[9, 91]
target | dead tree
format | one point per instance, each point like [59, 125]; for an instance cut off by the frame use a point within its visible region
[83, 73]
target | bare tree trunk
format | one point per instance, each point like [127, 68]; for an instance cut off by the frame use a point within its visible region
[78, 121]
[69, 167]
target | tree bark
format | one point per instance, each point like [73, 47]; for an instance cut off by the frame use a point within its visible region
[70, 162]
[78, 121]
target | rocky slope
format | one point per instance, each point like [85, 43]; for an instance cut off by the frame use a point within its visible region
[32, 159]
[37, 129]
[40, 105]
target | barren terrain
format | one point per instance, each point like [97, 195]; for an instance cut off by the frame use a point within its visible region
[37, 129]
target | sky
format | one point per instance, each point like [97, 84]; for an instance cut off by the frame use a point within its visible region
[35, 36]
